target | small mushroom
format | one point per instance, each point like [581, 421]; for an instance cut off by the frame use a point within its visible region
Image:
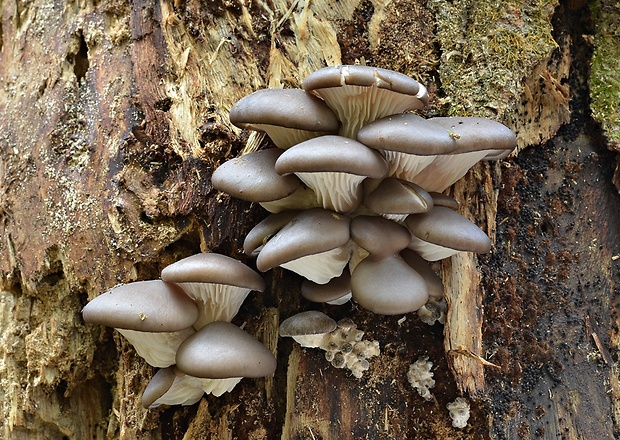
[154, 316]
[336, 291]
[310, 329]
[288, 116]
[219, 284]
[361, 94]
[440, 199]
[334, 167]
[383, 282]
[442, 232]
[476, 139]
[408, 142]
[314, 244]
[395, 199]
[171, 387]
[264, 230]
[221, 350]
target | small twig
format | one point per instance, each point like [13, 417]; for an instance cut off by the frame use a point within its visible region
[464, 352]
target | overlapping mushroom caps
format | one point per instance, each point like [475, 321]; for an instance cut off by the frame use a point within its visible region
[355, 187]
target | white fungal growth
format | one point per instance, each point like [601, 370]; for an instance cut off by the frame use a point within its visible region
[345, 348]
[459, 412]
[420, 377]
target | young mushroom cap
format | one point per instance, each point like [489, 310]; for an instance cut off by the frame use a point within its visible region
[379, 236]
[264, 230]
[218, 283]
[334, 167]
[222, 350]
[336, 292]
[434, 285]
[253, 177]
[170, 387]
[444, 227]
[395, 199]
[309, 329]
[440, 199]
[288, 116]
[314, 233]
[361, 94]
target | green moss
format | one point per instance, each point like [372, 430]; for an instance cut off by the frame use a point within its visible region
[605, 73]
[488, 49]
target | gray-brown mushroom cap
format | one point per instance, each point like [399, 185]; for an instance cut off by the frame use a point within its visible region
[253, 177]
[477, 134]
[159, 384]
[144, 306]
[379, 236]
[337, 291]
[444, 227]
[213, 268]
[407, 133]
[290, 108]
[310, 232]
[433, 282]
[332, 154]
[264, 230]
[222, 350]
[337, 76]
[394, 196]
[307, 323]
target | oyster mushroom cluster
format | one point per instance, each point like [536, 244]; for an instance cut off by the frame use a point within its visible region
[181, 324]
[355, 185]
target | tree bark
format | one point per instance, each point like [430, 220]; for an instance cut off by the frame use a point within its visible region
[113, 116]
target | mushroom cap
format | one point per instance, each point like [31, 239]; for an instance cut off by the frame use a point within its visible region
[388, 286]
[159, 384]
[477, 134]
[407, 133]
[310, 232]
[213, 268]
[379, 236]
[440, 199]
[145, 306]
[329, 292]
[332, 154]
[262, 232]
[445, 227]
[307, 323]
[394, 196]
[222, 350]
[253, 177]
[434, 284]
[337, 76]
[290, 108]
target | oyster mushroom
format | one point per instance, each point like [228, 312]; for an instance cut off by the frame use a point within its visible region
[154, 316]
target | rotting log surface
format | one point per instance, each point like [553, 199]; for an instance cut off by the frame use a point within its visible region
[113, 117]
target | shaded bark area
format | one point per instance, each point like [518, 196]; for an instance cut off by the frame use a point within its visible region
[114, 116]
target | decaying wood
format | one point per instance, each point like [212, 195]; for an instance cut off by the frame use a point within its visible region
[113, 116]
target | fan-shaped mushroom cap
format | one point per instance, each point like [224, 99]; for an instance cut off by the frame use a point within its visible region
[379, 236]
[253, 177]
[222, 350]
[388, 286]
[336, 292]
[361, 94]
[314, 244]
[443, 232]
[309, 329]
[170, 387]
[440, 199]
[395, 199]
[334, 167]
[288, 116]
[408, 142]
[218, 283]
[154, 316]
[476, 138]
[264, 230]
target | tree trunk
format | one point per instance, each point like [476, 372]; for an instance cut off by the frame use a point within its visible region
[113, 116]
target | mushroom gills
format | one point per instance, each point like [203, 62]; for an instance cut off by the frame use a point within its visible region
[323, 266]
[158, 349]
